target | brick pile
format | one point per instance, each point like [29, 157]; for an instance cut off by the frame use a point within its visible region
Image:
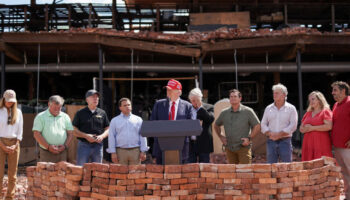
[317, 179]
[53, 181]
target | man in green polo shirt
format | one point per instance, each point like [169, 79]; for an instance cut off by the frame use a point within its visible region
[53, 131]
[240, 124]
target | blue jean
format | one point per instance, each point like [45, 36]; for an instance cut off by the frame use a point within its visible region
[89, 151]
[279, 150]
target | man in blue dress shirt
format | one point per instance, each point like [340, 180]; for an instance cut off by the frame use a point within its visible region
[125, 143]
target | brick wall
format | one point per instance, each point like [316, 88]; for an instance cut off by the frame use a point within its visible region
[317, 179]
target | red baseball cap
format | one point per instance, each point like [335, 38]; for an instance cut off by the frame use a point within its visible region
[174, 85]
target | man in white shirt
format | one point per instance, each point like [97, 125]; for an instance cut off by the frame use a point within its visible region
[278, 124]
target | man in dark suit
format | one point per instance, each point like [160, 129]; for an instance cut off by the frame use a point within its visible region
[172, 108]
[202, 145]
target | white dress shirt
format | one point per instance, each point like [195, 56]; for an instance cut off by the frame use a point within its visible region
[276, 120]
[8, 130]
[176, 106]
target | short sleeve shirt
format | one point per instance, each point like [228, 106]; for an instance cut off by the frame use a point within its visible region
[237, 125]
[92, 123]
[53, 128]
[341, 123]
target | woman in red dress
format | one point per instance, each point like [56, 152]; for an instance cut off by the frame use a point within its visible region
[315, 125]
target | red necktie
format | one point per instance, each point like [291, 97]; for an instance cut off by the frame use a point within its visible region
[172, 112]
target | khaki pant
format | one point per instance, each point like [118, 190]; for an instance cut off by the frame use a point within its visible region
[47, 156]
[12, 163]
[241, 156]
[129, 156]
[342, 156]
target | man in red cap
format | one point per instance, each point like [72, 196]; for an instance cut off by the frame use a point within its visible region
[172, 108]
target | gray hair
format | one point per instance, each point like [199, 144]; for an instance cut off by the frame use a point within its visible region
[56, 99]
[279, 86]
[195, 92]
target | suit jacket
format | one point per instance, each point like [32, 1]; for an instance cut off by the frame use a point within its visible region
[204, 142]
[161, 112]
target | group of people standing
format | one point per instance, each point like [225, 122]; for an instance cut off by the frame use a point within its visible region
[53, 129]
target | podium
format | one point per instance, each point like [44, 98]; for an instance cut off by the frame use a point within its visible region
[171, 135]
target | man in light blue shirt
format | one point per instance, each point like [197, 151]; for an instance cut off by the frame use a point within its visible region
[125, 143]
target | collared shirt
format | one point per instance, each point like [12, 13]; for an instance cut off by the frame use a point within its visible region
[341, 123]
[53, 128]
[276, 120]
[8, 130]
[237, 125]
[91, 122]
[176, 106]
[124, 132]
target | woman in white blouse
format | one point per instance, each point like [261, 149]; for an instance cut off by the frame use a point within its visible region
[11, 131]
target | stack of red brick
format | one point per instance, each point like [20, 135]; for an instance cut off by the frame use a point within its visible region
[54, 181]
[318, 179]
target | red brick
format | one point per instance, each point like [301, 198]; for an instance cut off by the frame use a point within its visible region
[190, 168]
[125, 193]
[189, 186]
[125, 182]
[214, 180]
[118, 176]
[267, 191]
[226, 168]
[136, 187]
[267, 180]
[282, 185]
[143, 192]
[149, 197]
[242, 197]
[227, 175]
[84, 194]
[244, 175]
[113, 198]
[134, 198]
[145, 180]
[162, 193]
[172, 175]
[154, 175]
[208, 167]
[216, 192]
[153, 187]
[170, 187]
[232, 180]
[205, 196]
[85, 188]
[285, 190]
[196, 180]
[170, 198]
[285, 196]
[318, 163]
[329, 160]
[100, 167]
[99, 196]
[260, 197]
[188, 197]
[198, 191]
[161, 181]
[233, 192]
[244, 168]
[155, 168]
[225, 186]
[119, 169]
[179, 192]
[262, 168]
[117, 187]
[172, 169]
[137, 175]
[100, 174]
[207, 185]
[296, 166]
[262, 175]
[179, 181]
[74, 169]
[209, 174]
[190, 175]
[279, 167]
[137, 168]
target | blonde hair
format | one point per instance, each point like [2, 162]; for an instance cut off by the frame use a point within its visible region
[13, 110]
[323, 102]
